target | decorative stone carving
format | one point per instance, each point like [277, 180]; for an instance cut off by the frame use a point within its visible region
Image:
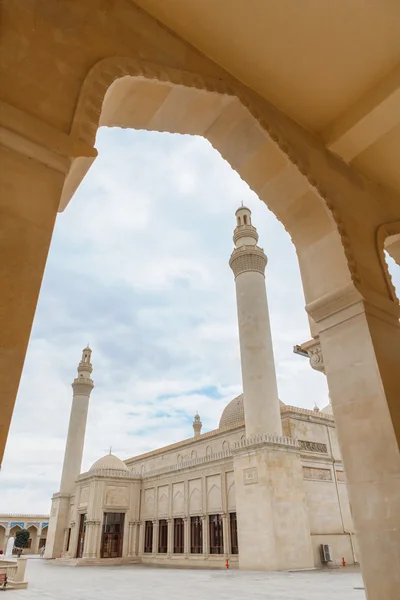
[314, 351]
[116, 495]
[84, 499]
[316, 358]
[248, 258]
[313, 446]
[250, 476]
[317, 474]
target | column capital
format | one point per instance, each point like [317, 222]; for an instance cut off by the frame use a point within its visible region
[314, 350]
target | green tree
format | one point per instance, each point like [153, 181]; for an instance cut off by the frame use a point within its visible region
[21, 538]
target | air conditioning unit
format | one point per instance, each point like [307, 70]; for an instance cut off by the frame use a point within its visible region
[326, 553]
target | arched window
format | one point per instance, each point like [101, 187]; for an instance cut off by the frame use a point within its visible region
[194, 454]
[238, 221]
[225, 446]
[245, 219]
[208, 451]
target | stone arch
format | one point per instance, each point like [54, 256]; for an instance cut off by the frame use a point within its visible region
[208, 451]
[388, 238]
[262, 145]
[33, 537]
[225, 445]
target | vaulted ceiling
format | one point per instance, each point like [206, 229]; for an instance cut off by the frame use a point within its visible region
[334, 67]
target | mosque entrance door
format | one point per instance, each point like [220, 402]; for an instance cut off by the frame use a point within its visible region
[81, 536]
[113, 534]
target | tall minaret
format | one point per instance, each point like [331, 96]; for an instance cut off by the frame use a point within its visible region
[260, 393]
[82, 387]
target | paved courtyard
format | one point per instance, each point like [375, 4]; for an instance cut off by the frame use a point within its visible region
[50, 582]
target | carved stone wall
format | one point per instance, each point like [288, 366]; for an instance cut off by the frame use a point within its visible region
[317, 473]
[84, 498]
[116, 495]
[313, 446]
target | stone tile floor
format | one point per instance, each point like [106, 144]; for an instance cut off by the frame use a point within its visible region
[50, 582]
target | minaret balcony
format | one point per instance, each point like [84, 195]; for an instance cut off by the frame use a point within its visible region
[242, 231]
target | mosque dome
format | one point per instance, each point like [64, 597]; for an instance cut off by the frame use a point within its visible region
[234, 412]
[109, 462]
[327, 410]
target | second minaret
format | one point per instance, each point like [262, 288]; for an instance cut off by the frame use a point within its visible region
[260, 393]
[82, 387]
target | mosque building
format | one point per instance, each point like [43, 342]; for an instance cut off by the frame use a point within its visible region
[265, 490]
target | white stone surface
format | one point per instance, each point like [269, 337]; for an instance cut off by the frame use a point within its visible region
[49, 582]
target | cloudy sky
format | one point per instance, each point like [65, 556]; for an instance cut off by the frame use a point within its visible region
[139, 269]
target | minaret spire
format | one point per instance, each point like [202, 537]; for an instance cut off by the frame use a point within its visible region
[260, 393]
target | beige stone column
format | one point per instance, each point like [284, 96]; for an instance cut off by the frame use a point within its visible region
[29, 197]
[91, 547]
[131, 539]
[260, 393]
[141, 539]
[155, 537]
[361, 349]
[186, 536]
[36, 550]
[226, 536]
[170, 537]
[206, 535]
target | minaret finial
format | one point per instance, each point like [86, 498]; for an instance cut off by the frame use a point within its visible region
[110, 449]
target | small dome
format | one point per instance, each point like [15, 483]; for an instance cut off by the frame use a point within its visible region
[327, 410]
[234, 412]
[109, 462]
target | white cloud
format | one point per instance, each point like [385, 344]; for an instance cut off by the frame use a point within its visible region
[139, 268]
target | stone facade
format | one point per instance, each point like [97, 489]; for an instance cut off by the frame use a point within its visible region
[211, 474]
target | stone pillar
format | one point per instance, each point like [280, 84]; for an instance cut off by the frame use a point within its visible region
[260, 393]
[361, 348]
[272, 515]
[38, 532]
[155, 537]
[206, 535]
[141, 539]
[226, 536]
[91, 546]
[170, 548]
[131, 539]
[29, 197]
[186, 543]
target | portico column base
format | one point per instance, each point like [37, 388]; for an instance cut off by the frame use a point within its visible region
[273, 524]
